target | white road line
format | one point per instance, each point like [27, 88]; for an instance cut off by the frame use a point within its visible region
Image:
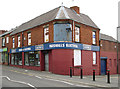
[38, 77]
[19, 82]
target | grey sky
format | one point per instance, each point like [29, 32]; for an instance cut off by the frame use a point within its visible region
[103, 12]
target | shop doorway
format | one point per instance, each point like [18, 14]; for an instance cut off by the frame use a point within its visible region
[103, 66]
[46, 62]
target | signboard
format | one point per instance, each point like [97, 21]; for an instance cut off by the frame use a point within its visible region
[39, 47]
[1, 50]
[28, 49]
[59, 45]
[62, 45]
[95, 48]
[86, 47]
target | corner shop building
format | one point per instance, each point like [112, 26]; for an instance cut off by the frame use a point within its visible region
[59, 39]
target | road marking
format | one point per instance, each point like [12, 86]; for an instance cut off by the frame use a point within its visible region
[38, 77]
[87, 84]
[19, 82]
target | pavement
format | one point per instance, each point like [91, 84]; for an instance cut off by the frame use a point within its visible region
[101, 80]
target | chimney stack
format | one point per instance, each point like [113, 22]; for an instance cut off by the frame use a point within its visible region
[76, 9]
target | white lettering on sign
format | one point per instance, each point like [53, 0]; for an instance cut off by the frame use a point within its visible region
[13, 50]
[20, 50]
[56, 45]
[72, 45]
[27, 49]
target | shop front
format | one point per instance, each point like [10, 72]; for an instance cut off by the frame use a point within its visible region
[58, 58]
[26, 57]
[4, 56]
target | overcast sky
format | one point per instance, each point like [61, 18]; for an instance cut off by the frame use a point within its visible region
[103, 12]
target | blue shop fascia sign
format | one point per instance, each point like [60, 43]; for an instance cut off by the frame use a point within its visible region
[59, 45]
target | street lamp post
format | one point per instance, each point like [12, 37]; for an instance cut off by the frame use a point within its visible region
[117, 49]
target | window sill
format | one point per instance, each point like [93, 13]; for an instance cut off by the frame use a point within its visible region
[94, 64]
[78, 66]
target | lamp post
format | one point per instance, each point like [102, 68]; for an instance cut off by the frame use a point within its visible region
[118, 39]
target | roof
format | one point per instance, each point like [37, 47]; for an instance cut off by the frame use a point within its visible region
[106, 37]
[6, 33]
[60, 12]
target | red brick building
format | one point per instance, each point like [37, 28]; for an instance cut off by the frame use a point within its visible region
[55, 41]
[108, 54]
[1, 32]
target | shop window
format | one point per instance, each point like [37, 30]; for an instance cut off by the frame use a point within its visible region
[94, 58]
[32, 58]
[29, 38]
[16, 59]
[7, 39]
[3, 41]
[3, 57]
[94, 37]
[13, 42]
[18, 41]
[46, 34]
[77, 34]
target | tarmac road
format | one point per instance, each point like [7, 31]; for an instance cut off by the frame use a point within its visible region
[20, 80]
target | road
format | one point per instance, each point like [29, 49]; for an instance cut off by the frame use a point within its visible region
[13, 78]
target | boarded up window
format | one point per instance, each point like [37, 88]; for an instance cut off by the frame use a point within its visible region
[94, 58]
[77, 57]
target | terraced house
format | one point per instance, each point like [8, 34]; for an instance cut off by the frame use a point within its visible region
[55, 41]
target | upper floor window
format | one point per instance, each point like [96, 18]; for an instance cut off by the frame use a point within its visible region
[7, 39]
[94, 37]
[46, 34]
[77, 34]
[3, 41]
[29, 38]
[94, 58]
[13, 42]
[18, 41]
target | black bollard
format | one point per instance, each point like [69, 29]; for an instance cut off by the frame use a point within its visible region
[108, 76]
[70, 72]
[93, 74]
[81, 73]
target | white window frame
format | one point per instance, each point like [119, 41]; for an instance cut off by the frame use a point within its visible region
[46, 34]
[13, 39]
[3, 41]
[77, 34]
[18, 41]
[94, 58]
[94, 37]
[77, 57]
[7, 39]
[29, 38]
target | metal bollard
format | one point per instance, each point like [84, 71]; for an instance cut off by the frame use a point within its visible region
[70, 72]
[81, 73]
[93, 74]
[108, 76]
